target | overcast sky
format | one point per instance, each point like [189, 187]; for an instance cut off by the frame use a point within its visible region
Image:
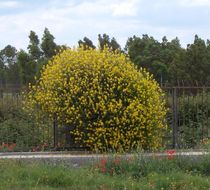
[71, 20]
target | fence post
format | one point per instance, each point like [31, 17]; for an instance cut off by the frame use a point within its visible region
[1, 93]
[175, 119]
[55, 132]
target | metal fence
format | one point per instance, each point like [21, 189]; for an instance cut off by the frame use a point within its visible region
[188, 120]
[188, 116]
[20, 131]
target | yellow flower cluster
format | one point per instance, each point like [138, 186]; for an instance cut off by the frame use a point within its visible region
[109, 103]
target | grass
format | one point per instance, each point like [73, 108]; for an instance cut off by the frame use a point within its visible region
[115, 173]
[35, 176]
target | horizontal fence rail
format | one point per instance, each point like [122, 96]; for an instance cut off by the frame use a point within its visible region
[188, 119]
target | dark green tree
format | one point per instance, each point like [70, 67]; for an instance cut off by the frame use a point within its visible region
[197, 62]
[34, 46]
[175, 55]
[9, 62]
[145, 52]
[208, 58]
[48, 45]
[104, 40]
[114, 44]
[162, 59]
[27, 67]
[8, 55]
[86, 43]
[172, 55]
[2, 70]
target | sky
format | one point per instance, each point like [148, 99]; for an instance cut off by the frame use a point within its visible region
[72, 20]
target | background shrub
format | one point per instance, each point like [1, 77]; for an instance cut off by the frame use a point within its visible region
[18, 130]
[103, 98]
[194, 118]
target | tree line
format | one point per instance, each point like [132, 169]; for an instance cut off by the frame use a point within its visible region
[168, 61]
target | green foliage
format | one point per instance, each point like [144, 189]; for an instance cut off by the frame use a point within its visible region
[166, 60]
[34, 47]
[169, 62]
[158, 58]
[20, 67]
[27, 67]
[9, 67]
[48, 45]
[197, 62]
[194, 118]
[86, 43]
[17, 127]
[104, 41]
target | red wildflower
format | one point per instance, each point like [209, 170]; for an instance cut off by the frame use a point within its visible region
[117, 161]
[5, 145]
[11, 146]
[103, 169]
[171, 154]
[103, 161]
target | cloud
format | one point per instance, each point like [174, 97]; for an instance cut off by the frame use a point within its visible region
[9, 4]
[71, 20]
[194, 3]
[125, 8]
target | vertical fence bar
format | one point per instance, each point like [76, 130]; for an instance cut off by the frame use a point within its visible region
[175, 119]
[207, 113]
[194, 116]
[55, 132]
[179, 116]
[203, 113]
[1, 92]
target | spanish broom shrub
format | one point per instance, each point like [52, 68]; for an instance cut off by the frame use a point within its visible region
[106, 101]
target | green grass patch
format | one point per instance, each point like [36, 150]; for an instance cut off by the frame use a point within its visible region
[144, 173]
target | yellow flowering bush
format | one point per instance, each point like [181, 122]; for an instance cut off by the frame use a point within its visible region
[108, 102]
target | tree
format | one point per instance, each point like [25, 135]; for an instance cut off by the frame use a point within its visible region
[103, 98]
[34, 46]
[114, 45]
[37, 60]
[145, 52]
[48, 45]
[86, 43]
[174, 56]
[197, 62]
[162, 59]
[104, 40]
[2, 70]
[171, 54]
[27, 67]
[9, 62]
[8, 55]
